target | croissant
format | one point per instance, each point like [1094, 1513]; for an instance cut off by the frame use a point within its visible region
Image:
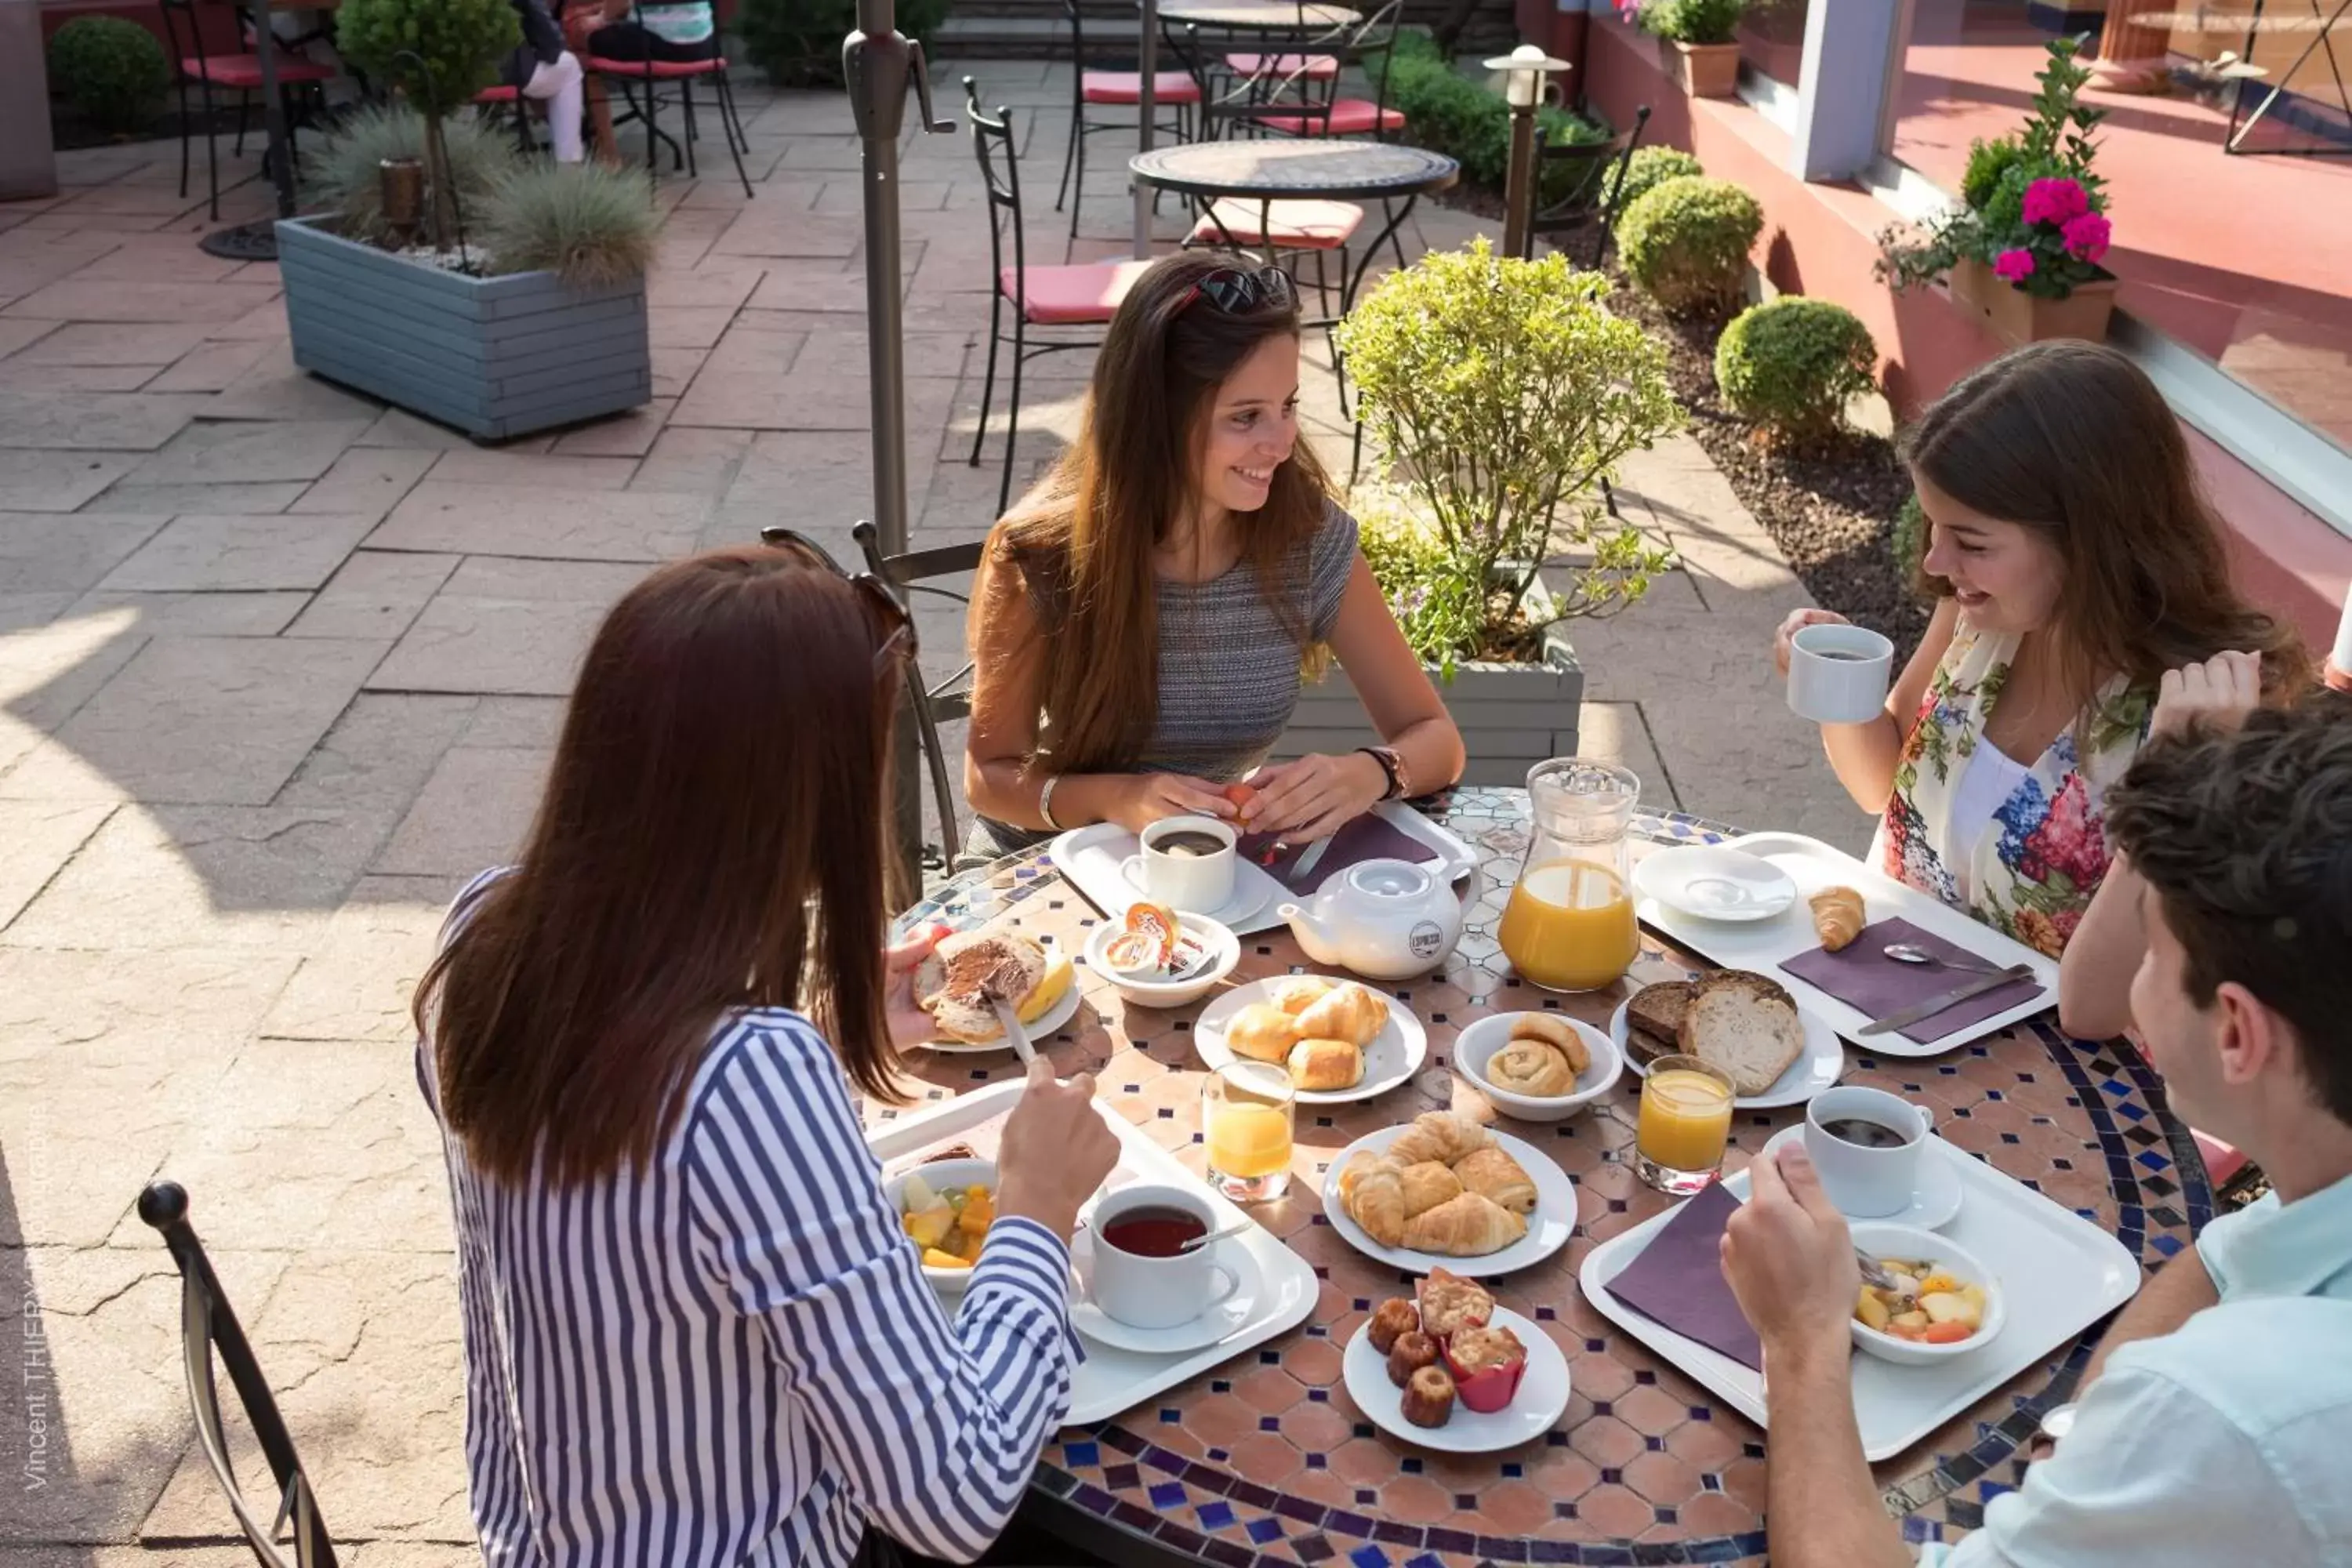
[1378, 1205]
[1532, 1067]
[1325, 1065]
[1262, 1032]
[1469, 1224]
[1426, 1185]
[1350, 1013]
[1359, 1165]
[1439, 1135]
[1838, 916]
[1495, 1176]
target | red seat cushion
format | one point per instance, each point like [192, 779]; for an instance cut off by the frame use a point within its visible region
[244, 71]
[2222, 1161]
[1070, 296]
[1297, 225]
[497, 95]
[1301, 67]
[660, 70]
[1126, 86]
[1348, 117]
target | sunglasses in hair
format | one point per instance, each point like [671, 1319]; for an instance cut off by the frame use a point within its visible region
[1236, 292]
[899, 639]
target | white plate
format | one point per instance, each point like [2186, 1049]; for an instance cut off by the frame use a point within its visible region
[1059, 1014]
[1548, 1228]
[2060, 1274]
[1219, 1323]
[1395, 1054]
[1091, 860]
[1712, 882]
[1542, 1400]
[1765, 945]
[1934, 1202]
[1817, 1069]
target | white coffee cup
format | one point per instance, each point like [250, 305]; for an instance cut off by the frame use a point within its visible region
[1191, 884]
[1865, 1183]
[1838, 674]
[1146, 1291]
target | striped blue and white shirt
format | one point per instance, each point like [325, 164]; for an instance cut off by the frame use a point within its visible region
[733, 1357]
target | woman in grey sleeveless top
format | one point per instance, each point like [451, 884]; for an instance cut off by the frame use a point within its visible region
[1142, 617]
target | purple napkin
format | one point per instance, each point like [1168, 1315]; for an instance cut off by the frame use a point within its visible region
[1678, 1279]
[1873, 985]
[1371, 837]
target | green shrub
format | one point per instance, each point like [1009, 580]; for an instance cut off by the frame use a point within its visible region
[798, 42]
[1988, 162]
[1503, 392]
[1685, 243]
[1450, 113]
[1906, 541]
[1790, 365]
[1692, 21]
[342, 170]
[1651, 167]
[593, 225]
[461, 43]
[111, 70]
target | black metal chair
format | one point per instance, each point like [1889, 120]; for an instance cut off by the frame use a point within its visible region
[240, 74]
[650, 76]
[1587, 180]
[1170, 89]
[207, 1327]
[1042, 296]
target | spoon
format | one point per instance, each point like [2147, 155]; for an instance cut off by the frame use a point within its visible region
[1911, 953]
[1873, 1271]
[1213, 1236]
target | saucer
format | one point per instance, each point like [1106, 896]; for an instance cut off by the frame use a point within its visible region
[1218, 1323]
[1934, 1204]
[1250, 895]
[1711, 882]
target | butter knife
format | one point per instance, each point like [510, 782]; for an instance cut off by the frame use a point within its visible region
[1015, 1034]
[1312, 858]
[1943, 999]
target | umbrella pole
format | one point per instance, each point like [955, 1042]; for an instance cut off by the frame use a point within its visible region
[878, 62]
[1147, 65]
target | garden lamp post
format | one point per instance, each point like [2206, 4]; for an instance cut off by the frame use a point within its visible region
[1524, 70]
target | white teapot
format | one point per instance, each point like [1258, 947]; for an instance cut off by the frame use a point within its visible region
[1385, 920]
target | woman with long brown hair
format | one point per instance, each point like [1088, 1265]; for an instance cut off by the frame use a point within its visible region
[694, 1332]
[2083, 602]
[1142, 616]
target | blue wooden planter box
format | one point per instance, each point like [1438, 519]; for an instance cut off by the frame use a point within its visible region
[495, 357]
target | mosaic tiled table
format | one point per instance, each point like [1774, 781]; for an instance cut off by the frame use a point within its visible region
[1265, 1460]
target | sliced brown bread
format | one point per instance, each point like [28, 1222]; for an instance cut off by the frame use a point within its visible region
[1744, 1024]
[1654, 1020]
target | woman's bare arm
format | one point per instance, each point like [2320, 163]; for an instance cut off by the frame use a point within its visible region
[1864, 756]
[1404, 707]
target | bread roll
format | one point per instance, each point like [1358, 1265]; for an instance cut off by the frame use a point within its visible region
[1350, 1012]
[1557, 1032]
[1297, 993]
[1262, 1032]
[1322, 1065]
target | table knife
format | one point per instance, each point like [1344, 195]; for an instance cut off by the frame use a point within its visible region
[1015, 1034]
[1312, 858]
[1943, 999]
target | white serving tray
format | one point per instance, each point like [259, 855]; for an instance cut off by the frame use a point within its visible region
[2058, 1272]
[1764, 945]
[1113, 1380]
[1090, 859]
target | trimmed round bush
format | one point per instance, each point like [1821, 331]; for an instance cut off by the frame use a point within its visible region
[1790, 365]
[112, 70]
[1685, 243]
[1651, 167]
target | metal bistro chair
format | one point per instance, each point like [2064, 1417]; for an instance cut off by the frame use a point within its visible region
[240, 74]
[1042, 296]
[207, 1327]
[1169, 89]
[652, 74]
[1589, 190]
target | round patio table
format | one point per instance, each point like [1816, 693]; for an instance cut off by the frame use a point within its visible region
[1264, 1459]
[1263, 15]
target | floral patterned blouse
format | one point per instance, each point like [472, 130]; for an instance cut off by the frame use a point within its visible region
[2032, 876]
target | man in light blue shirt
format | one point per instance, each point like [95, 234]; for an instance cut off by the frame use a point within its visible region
[2216, 1422]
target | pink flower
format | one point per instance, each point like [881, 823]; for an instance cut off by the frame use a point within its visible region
[2014, 266]
[2086, 236]
[2054, 201]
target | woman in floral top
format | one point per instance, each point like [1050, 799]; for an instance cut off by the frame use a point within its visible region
[2082, 600]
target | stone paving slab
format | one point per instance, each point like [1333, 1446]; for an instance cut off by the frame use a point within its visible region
[358, 984]
[472, 814]
[94, 422]
[523, 520]
[375, 594]
[513, 627]
[244, 452]
[44, 552]
[248, 552]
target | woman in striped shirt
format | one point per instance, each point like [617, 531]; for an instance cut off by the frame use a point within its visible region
[694, 1331]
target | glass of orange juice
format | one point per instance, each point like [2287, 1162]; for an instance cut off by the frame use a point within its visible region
[1247, 1115]
[1685, 1126]
[1569, 925]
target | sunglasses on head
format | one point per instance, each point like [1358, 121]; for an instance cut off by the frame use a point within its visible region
[898, 637]
[1236, 292]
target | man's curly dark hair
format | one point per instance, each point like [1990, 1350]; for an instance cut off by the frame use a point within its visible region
[2246, 838]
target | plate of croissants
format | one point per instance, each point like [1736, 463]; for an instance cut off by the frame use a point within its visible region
[1444, 1191]
[1450, 1370]
[1338, 1040]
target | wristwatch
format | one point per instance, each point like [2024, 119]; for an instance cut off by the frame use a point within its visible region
[1392, 763]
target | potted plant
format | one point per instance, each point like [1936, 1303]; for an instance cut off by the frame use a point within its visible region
[1501, 394]
[1697, 36]
[503, 295]
[2023, 249]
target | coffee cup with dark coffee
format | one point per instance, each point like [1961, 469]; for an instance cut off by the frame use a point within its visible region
[1186, 863]
[1137, 1268]
[1838, 674]
[1866, 1145]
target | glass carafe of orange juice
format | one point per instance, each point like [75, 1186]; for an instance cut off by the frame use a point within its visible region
[1570, 923]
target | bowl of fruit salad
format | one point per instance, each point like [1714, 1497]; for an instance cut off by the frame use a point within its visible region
[1944, 1302]
[945, 1208]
